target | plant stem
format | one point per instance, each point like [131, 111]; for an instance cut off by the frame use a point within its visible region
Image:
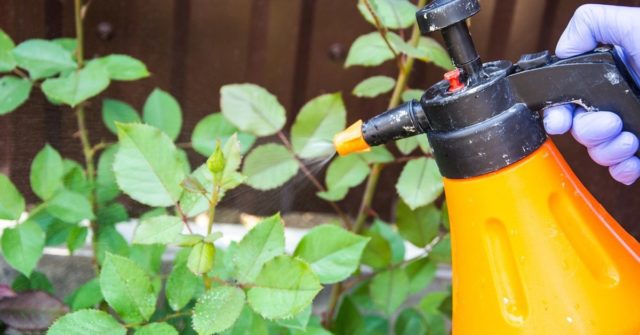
[183, 216]
[381, 29]
[83, 133]
[77, 8]
[346, 221]
[401, 84]
[367, 198]
[336, 292]
[405, 68]
[215, 197]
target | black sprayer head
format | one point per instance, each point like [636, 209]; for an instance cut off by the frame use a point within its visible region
[440, 14]
[449, 16]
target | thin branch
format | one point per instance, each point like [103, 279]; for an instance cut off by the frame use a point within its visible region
[336, 292]
[173, 316]
[383, 32]
[185, 219]
[101, 145]
[401, 84]
[343, 216]
[409, 158]
[184, 145]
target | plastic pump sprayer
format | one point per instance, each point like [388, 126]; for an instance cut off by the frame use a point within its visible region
[533, 251]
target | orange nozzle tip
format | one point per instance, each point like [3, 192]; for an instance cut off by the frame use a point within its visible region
[351, 140]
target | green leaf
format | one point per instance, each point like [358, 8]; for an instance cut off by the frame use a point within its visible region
[434, 53]
[110, 241]
[421, 273]
[375, 325]
[298, 321]
[437, 324]
[188, 240]
[77, 238]
[377, 254]
[420, 182]
[111, 214]
[269, 166]
[147, 166]
[334, 194]
[43, 58]
[441, 252]
[201, 258]
[423, 141]
[217, 309]
[248, 323]
[117, 111]
[262, 243]
[194, 204]
[37, 281]
[333, 253]
[411, 322]
[123, 67]
[57, 232]
[216, 235]
[67, 43]
[409, 95]
[374, 86]
[395, 241]
[160, 229]
[430, 303]
[162, 111]
[346, 171]
[22, 246]
[389, 289]
[106, 185]
[403, 46]
[70, 207]
[215, 127]
[11, 201]
[368, 50]
[127, 288]
[148, 256]
[86, 296]
[349, 320]
[162, 328]
[343, 173]
[419, 226]
[181, 287]
[14, 92]
[78, 86]
[378, 154]
[7, 61]
[47, 171]
[74, 178]
[394, 14]
[87, 322]
[252, 109]
[407, 145]
[284, 287]
[316, 124]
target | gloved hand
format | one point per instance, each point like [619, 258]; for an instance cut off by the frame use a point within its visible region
[600, 132]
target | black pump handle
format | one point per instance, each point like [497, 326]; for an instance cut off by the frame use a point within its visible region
[598, 81]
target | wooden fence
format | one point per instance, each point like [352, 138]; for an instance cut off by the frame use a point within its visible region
[295, 48]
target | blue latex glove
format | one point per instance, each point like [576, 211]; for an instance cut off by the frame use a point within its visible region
[601, 132]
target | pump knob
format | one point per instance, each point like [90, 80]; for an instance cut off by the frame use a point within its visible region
[443, 13]
[449, 16]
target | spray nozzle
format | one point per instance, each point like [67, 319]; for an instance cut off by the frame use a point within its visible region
[403, 121]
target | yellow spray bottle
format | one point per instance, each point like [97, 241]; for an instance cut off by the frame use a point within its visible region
[533, 252]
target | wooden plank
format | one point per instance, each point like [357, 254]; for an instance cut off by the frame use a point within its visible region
[528, 18]
[27, 122]
[481, 27]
